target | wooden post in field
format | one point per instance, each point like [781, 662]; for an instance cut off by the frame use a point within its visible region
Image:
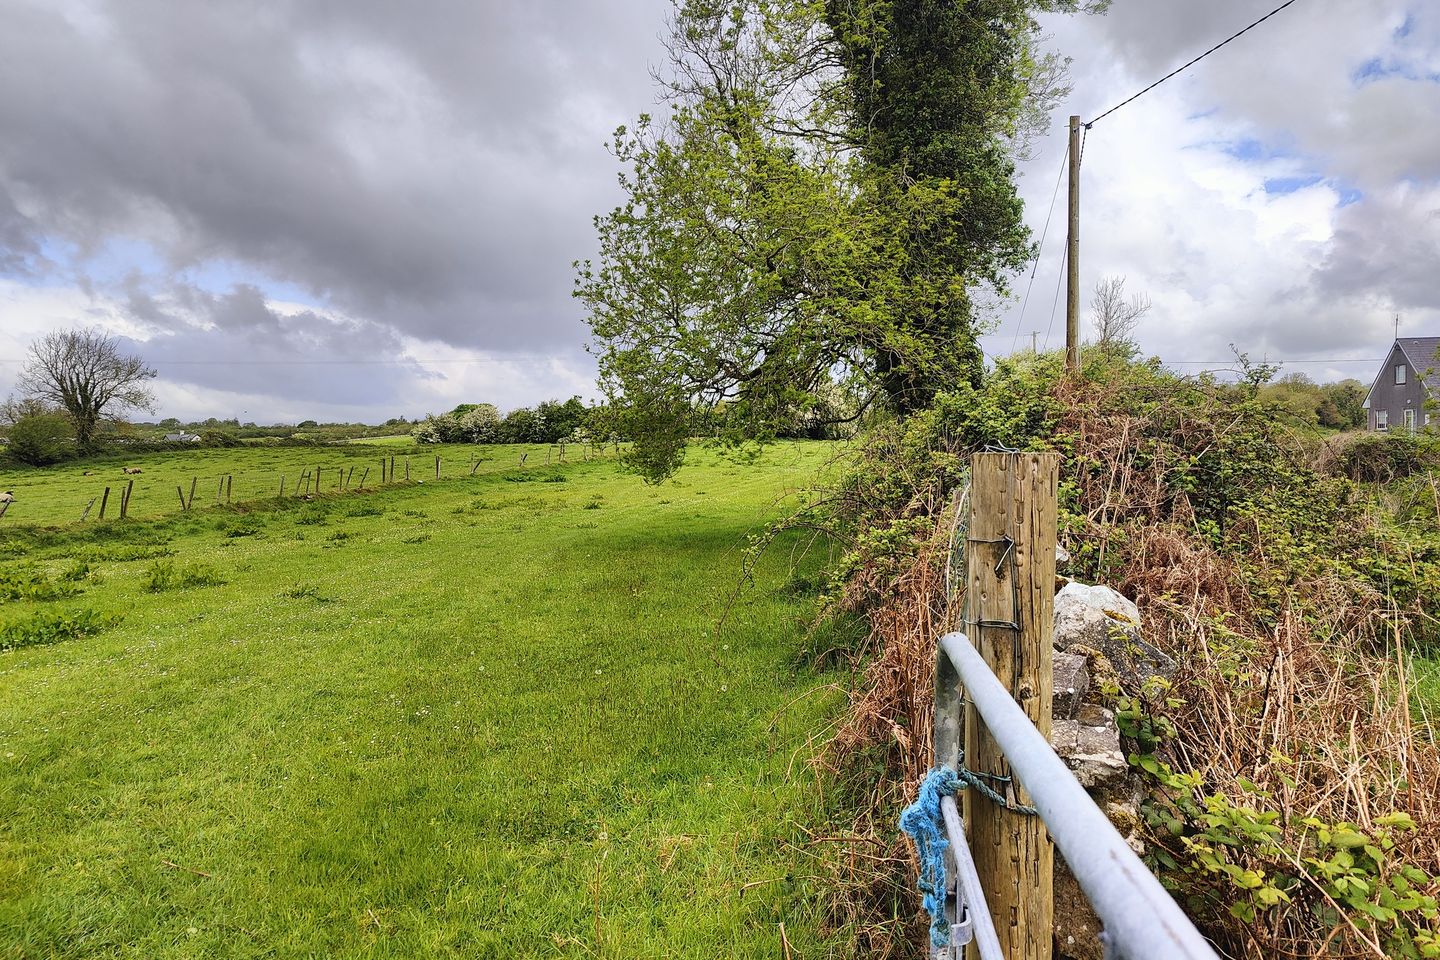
[340, 481]
[350, 473]
[229, 483]
[474, 466]
[437, 468]
[104, 499]
[1009, 609]
[282, 486]
[87, 509]
[125, 499]
[363, 474]
[407, 469]
[180, 492]
[392, 469]
[191, 502]
[220, 492]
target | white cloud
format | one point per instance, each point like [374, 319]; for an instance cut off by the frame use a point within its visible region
[1175, 191]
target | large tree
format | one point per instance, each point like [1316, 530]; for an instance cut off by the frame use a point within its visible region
[86, 374]
[831, 184]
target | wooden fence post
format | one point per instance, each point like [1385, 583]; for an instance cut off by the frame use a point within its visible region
[87, 509]
[363, 474]
[229, 484]
[180, 492]
[1010, 605]
[125, 499]
[407, 469]
[104, 499]
[437, 468]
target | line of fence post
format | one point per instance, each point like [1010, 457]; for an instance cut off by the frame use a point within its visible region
[104, 499]
[1010, 603]
[125, 499]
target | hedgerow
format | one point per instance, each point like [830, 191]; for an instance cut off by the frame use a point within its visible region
[1292, 795]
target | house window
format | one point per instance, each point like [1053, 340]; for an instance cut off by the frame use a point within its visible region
[1382, 419]
[1410, 420]
[1400, 375]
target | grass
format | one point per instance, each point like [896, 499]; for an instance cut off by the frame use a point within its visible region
[59, 494]
[497, 718]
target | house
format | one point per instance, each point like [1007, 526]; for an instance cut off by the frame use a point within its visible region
[182, 437]
[1409, 378]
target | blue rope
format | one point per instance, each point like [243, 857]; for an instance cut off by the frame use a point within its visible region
[923, 823]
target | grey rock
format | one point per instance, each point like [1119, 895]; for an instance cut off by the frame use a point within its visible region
[1090, 747]
[1072, 683]
[1100, 619]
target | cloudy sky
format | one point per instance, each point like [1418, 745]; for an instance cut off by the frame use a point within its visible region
[355, 209]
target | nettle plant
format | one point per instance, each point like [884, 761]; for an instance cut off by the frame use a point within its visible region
[1263, 864]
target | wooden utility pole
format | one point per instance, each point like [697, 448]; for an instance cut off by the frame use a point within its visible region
[1072, 256]
[1010, 606]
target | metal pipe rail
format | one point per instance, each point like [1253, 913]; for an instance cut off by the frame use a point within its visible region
[1142, 921]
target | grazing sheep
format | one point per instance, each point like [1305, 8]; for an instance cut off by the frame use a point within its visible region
[7, 497]
[88, 473]
[130, 469]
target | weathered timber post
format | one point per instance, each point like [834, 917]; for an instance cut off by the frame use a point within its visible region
[407, 469]
[1072, 257]
[350, 473]
[1010, 606]
[191, 502]
[229, 485]
[437, 468]
[363, 474]
[104, 499]
[87, 509]
[180, 492]
[282, 486]
[125, 499]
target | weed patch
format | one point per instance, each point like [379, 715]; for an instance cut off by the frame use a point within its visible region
[31, 583]
[47, 627]
[164, 576]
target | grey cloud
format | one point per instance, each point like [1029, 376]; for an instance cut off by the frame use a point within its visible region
[1388, 246]
[237, 343]
[433, 167]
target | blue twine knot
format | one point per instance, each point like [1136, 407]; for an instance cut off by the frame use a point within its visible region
[923, 823]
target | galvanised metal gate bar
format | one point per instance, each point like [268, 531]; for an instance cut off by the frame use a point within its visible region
[1141, 920]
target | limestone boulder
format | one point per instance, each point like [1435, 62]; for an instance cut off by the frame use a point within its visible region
[1097, 619]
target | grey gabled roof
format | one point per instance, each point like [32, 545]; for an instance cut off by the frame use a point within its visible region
[1423, 355]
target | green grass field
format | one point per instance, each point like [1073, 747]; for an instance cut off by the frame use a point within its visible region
[494, 716]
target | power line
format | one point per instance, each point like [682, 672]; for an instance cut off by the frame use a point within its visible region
[1184, 67]
[1279, 360]
[1059, 282]
[1020, 320]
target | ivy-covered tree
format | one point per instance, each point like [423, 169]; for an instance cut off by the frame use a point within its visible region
[832, 182]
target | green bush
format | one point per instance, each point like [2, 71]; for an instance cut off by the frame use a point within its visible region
[1383, 457]
[41, 439]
